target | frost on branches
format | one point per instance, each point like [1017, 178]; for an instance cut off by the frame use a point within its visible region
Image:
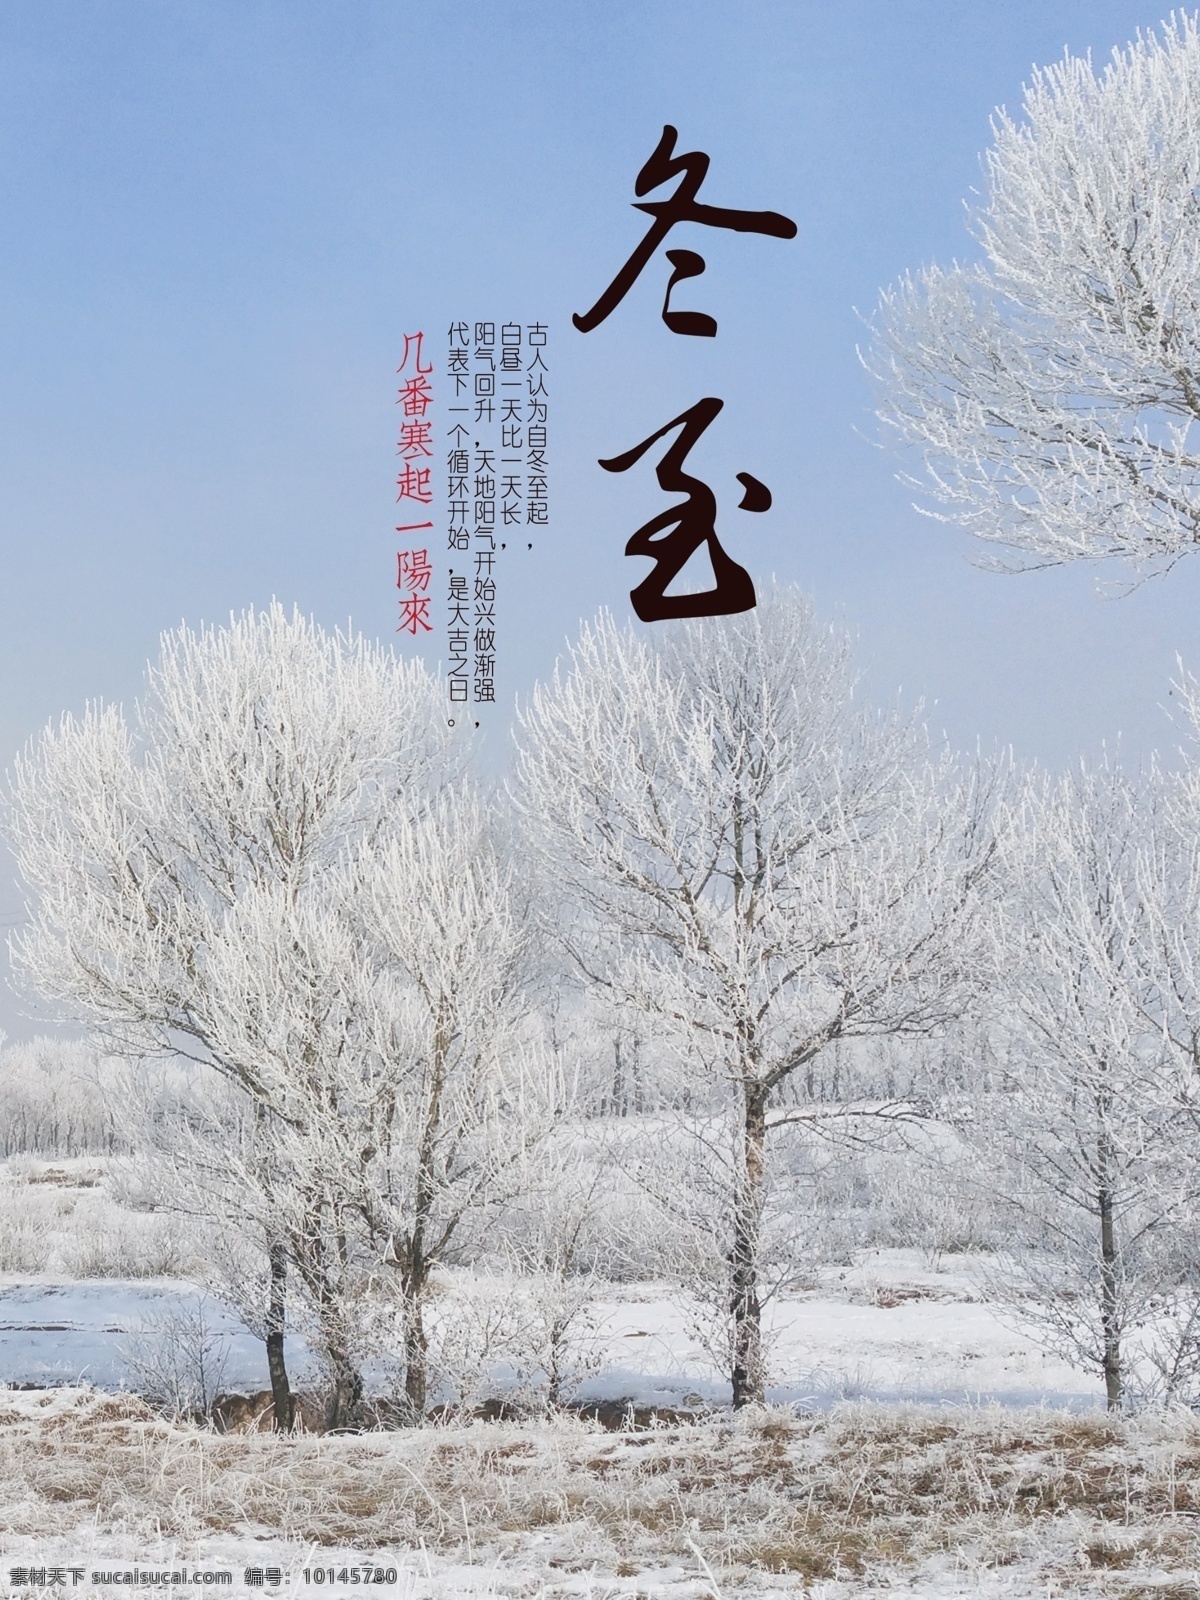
[757, 865]
[1083, 1116]
[281, 873]
[739, 976]
[1053, 390]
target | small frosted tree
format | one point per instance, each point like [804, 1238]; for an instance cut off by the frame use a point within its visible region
[384, 1020]
[754, 863]
[1083, 1122]
[472, 1089]
[1053, 389]
[1177, 951]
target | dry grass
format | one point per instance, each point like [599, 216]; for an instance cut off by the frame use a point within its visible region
[856, 1492]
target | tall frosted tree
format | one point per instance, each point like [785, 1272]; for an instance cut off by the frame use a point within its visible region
[1053, 388]
[755, 863]
[264, 755]
[1053, 391]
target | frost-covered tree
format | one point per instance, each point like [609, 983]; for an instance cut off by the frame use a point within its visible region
[383, 1019]
[473, 1089]
[1084, 1126]
[1177, 877]
[265, 754]
[755, 864]
[201, 1155]
[1053, 389]
[57, 1099]
[261, 753]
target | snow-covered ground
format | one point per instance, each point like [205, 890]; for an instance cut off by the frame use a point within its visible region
[899, 1359]
[930, 1502]
[424, 1575]
[892, 1327]
[87, 1331]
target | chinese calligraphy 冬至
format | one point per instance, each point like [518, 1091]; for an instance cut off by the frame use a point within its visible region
[693, 522]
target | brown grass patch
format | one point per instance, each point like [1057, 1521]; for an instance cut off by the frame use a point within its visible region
[862, 1490]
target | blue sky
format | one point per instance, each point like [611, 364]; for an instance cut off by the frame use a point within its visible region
[220, 217]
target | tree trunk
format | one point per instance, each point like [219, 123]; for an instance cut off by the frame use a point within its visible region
[620, 1100]
[344, 1409]
[1110, 1318]
[412, 1253]
[416, 1358]
[283, 1404]
[749, 1376]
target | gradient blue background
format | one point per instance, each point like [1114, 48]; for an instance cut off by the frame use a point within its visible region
[220, 217]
